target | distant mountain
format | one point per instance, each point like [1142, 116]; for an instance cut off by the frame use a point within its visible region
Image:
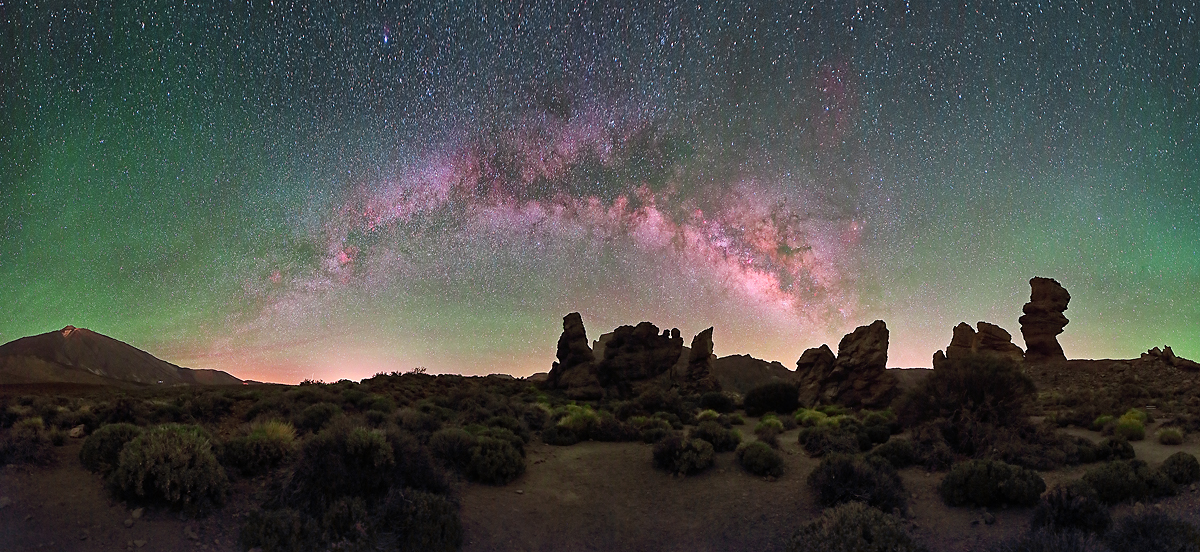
[77, 355]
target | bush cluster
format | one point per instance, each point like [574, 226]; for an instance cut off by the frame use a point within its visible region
[1147, 530]
[759, 459]
[102, 449]
[717, 401]
[684, 456]
[265, 446]
[854, 527]
[779, 397]
[721, 439]
[1073, 506]
[768, 429]
[900, 453]
[1182, 468]
[1170, 436]
[829, 438]
[1122, 480]
[842, 478]
[172, 463]
[990, 483]
[27, 442]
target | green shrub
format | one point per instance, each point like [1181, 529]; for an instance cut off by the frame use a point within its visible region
[420, 422]
[736, 419]
[759, 459]
[680, 455]
[768, 429]
[721, 439]
[1102, 421]
[824, 439]
[1121, 480]
[57, 437]
[1147, 530]
[841, 478]
[102, 449]
[453, 445]
[495, 461]
[1072, 506]
[1130, 428]
[651, 430]
[265, 446]
[1048, 541]
[315, 417]
[1170, 436]
[990, 483]
[26, 443]
[1115, 448]
[559, 436]
[609, 429]
[718, 401]
[708, 416]
[990, 388]
[1138, 415]
[579, 419]
[854, 527]
[1182, 468]
[174, 463]
[778, 396]
[417, 521]
[807, 417]
[900, 453]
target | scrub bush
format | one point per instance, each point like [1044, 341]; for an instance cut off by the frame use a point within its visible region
[854, 527]
[1072, 506]
[759, 459]
[900, 453]
[824, 439]
[1130, 428]
[559, 436]
[1115, 448]
[990, 483]
[452, 445]
[1170, 436]
[315, 417]
[1121, 480]
[102, 449]
[1182, 468]
[1048, 541]
[841, 478]
[495, 461]
[1147, 530]
[768, 429]
[721, 439]
[717, 401]
[264, 447]
[26, 443]
[677, 454]
[173, 463]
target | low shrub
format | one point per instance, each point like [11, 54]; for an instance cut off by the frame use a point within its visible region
[26, 443]
[1048, 541]
[265, 446]
[650, 430]
[736, 419]
[1102, 421]
[495, 461]
[1130, 428]
[609, 429]
[854, 527]
[57, 437]
[841, 478]
[677, 454]
[174, 463]
[1122, 480]
[1115, 448]
[824, 439]
[1071, 506]
[990, 483]
[759, 459]
[806, 417]
[315, 417]
[454, 446]
[1137, 414]
[717, 401]
[900, 453]
[559, 436]
[768, 429]
[1170, 436]
[579, 419]
[102, 449]
[778, 396]
[708, 416]
[1182, 468]
[1148, 530]
[420, 422]
[721, 439]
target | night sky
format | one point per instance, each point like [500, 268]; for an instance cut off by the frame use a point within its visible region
[314, 190]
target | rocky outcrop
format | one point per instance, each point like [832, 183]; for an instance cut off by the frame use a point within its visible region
[699, 377]
[857, 377]
[741, 373]
[1044, 320]
[1167, 356]
[636, 354]
[576, 367]
[990, 339]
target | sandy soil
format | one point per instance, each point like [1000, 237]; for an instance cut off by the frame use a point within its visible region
[590, 496]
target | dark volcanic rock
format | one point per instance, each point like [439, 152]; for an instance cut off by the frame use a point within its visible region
[637, 353]
[576, 363]
[78, 355]
[858, 377]
[699, 377]
[741, 373]
[1167, 356]
[1044, 320]
[990, 338]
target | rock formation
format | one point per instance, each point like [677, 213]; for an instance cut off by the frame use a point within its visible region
[990, 339]
[741, 373]
[699, 377]
[637, 353]
[1044, 320]
[576, 363]
[857, 377]
[1167, 356]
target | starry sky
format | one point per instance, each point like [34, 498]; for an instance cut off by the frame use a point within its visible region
[290, 190]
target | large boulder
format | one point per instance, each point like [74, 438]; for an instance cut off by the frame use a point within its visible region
[858, 376]
[990, 339]
[636, 354]
[699, 377]
[575, 368]
[1044, 320]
